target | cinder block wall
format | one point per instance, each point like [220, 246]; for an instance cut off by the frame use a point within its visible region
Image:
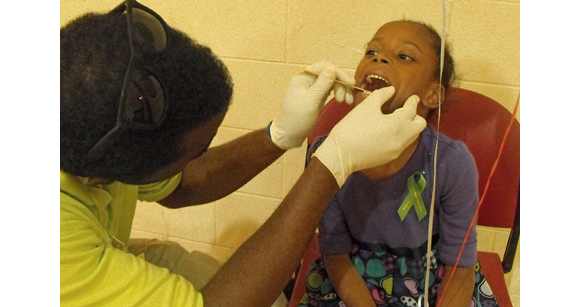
[264, 43]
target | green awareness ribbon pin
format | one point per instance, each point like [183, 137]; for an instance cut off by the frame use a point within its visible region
[416, 184]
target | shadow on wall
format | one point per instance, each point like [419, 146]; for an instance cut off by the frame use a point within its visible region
[237, 233]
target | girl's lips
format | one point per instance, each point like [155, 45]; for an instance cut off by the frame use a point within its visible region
[374, 82]
[360, 96]
[364, 95]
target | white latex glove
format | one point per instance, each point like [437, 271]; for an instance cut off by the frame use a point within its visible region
[305, 97]
[366, 137]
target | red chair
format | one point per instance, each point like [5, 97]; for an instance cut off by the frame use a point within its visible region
[481, 123]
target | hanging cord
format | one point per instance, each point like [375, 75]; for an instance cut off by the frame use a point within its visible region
[482, 197]
[432, 207]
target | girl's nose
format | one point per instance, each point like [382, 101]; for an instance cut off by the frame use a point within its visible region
[378, 58]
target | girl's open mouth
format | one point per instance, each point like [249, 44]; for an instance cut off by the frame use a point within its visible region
[374, 82]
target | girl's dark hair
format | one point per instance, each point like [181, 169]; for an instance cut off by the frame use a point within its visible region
[94, 54]
[448, 75]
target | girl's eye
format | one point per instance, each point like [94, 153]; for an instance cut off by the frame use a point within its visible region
[371, 52]
[405, 57]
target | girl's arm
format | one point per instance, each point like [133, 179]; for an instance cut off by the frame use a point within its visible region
[347, 281]
[459, 201]
[459, 290]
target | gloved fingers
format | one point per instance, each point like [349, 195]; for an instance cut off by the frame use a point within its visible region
[409, 109]
[339, 92]
[322, 86]
[318, 67]
[378, 97]
[300, 84]
[348, 97]
[341, 75]
[304, 81]
[418, 123]
[344, 77]
[343, 93]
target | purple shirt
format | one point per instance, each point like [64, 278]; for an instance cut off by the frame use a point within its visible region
[367, 210]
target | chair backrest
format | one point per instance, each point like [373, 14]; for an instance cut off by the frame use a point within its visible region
[481, 123]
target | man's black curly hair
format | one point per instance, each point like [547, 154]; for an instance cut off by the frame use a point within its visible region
[94, 55]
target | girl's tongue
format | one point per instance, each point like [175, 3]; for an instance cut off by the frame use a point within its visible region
[374, 82]
[371, 83]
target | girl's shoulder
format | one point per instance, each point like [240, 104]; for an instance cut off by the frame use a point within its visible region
[447, 148]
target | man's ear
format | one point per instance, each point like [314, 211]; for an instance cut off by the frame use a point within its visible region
[434, 93]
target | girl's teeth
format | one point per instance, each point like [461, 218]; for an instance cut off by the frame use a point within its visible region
[371, 77]
[374, 82]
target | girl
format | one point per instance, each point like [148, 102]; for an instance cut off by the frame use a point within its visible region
[373, 236]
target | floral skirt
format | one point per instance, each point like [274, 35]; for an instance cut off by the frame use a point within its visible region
[395, 278]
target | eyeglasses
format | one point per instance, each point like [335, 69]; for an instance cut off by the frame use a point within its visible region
[143, 101]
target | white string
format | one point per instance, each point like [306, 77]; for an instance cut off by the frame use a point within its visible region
[432, 208]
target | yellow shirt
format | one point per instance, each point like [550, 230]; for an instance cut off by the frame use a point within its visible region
[95, 273]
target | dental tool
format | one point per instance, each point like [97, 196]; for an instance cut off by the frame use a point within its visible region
[343, 83]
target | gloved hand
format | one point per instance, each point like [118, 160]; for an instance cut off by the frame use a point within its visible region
[305, 97]
[366, 137]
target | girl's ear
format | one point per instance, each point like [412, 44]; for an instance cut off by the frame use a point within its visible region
[435, 91]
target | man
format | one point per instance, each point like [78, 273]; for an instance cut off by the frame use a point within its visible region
[142, 130]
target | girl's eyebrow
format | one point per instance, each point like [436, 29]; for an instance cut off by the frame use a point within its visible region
[403, 41]
[413, 44]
